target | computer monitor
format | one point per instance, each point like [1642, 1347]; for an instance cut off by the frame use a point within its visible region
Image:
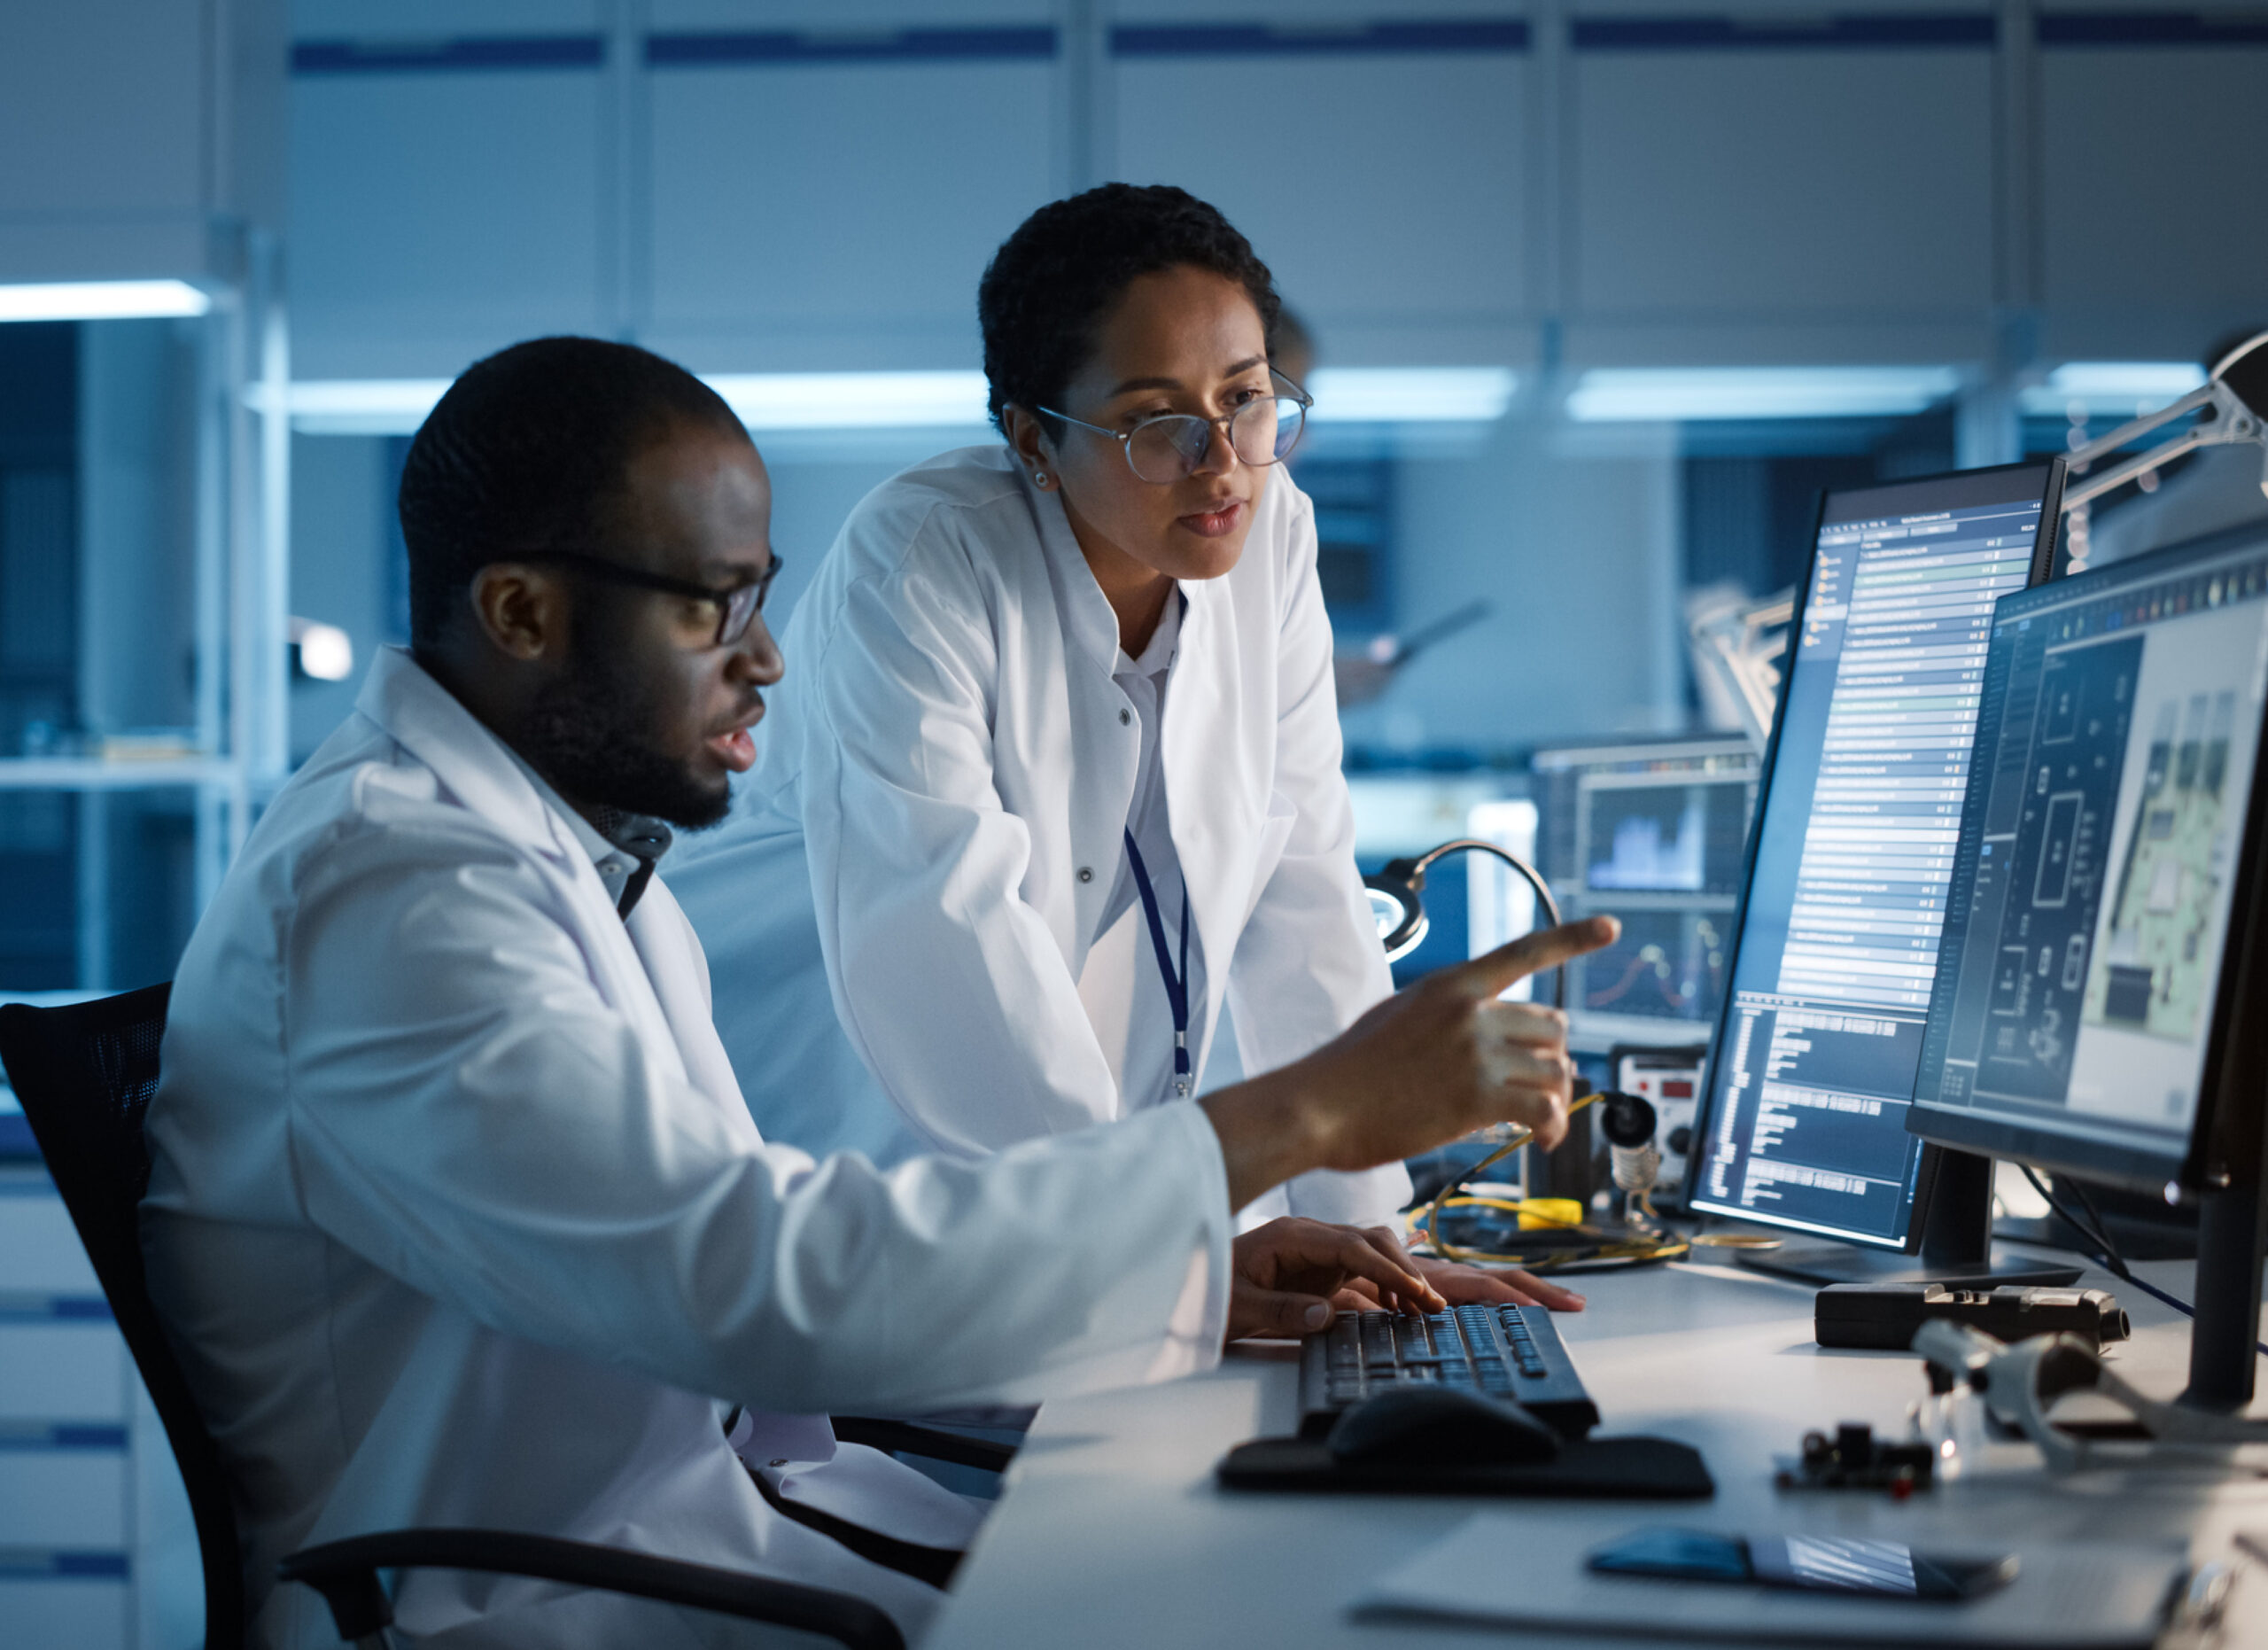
[1803, 1125]
[2088, 1012]
[1654, 833]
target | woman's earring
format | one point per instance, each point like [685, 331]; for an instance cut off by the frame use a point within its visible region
[1039, 477]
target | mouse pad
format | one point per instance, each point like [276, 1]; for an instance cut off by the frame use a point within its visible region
[1646, 1468]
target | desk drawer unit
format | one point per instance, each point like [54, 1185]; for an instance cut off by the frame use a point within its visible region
[67, 1482]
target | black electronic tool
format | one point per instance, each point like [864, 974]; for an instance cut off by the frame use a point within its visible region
[1885, 1316]
[1854, 1459]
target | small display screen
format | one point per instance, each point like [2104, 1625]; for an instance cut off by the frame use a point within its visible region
[1657, 834]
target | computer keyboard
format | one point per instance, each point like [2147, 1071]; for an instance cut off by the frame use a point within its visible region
[1506, 1352]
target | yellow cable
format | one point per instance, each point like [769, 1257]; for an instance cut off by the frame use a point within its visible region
[1451, 1196]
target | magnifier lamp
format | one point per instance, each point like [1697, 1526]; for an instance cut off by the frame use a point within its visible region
[1397, 903]
[2236, 390]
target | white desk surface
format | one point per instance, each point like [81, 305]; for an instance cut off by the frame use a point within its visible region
[1113, 1532]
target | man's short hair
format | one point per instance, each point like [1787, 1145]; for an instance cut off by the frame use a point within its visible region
[526, 452]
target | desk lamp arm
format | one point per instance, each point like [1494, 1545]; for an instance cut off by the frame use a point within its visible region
[2235, 423]
[2238, 394]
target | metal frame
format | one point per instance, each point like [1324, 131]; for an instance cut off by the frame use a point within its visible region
[241, 750]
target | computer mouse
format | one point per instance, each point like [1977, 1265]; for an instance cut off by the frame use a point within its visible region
[1439, 1425]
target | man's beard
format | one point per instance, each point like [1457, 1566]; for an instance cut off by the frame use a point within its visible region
[587, 735]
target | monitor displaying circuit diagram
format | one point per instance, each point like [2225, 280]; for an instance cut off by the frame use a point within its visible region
[2094, 884]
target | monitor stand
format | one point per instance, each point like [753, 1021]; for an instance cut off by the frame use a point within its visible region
[2232, 1235]
[1956, 1242]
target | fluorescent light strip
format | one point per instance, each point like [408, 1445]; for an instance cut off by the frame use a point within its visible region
[763, 400]
[100, 301]
[1678, 394]
[361, 406]
[2117, 389]
[1411, 395]
[853, 401]
[902, 401]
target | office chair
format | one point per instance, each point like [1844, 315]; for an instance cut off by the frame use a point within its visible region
[84, 1075]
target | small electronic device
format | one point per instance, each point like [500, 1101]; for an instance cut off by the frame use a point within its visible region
[2096, 998]
[1851, 1457]
[1803, 1124]
[1885, 1316]
[1436, 1424]
[1654, 833]
[1668, 1079]
[1510, 1352]
[1889, 1570]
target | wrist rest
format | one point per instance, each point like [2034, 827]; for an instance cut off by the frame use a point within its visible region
[1645, 1468]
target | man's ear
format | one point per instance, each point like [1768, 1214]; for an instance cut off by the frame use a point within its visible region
[522, 611]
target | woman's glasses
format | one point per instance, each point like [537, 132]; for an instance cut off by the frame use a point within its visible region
[1164, 450]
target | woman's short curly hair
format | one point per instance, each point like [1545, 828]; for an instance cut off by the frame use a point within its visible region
[1048, 289]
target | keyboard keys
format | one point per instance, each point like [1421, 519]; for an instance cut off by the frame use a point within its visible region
[1505, 1351]
[1522, 1340]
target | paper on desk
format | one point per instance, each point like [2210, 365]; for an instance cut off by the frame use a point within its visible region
[1513, 1571]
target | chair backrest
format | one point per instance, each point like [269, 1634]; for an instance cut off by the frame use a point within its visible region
[84, 1075]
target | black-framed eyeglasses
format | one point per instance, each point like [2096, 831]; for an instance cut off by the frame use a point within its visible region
[736, 607]
[1163, 449]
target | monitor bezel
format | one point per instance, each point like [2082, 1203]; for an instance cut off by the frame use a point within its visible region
[2222, 1137]
[2043, 554]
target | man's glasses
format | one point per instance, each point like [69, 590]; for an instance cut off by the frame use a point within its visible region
[1164, 450]
[736, 607]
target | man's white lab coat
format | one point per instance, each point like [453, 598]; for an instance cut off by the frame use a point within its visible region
[458, 1217]
[923, 854]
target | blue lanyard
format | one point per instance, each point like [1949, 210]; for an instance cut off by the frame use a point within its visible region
[1177, 985]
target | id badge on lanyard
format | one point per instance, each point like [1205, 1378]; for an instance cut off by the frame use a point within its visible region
[1177, 984]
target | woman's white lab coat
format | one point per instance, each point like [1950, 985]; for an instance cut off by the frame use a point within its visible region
[901, 916]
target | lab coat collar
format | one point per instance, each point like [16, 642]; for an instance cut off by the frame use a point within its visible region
[484, 773]
[1165, 641]
[1088, 618]
[486, 777]
[585, 835]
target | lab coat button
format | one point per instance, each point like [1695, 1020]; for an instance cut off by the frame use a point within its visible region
[1124, 716]
[1086, 872]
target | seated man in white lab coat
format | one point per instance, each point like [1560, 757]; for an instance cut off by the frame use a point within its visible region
[457, 1215]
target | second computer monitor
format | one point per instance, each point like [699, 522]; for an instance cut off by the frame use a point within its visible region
[2086, 998]
[1815, 1057]
[2098, 998]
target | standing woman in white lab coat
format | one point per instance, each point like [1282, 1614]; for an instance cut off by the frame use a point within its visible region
[1056, 777]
